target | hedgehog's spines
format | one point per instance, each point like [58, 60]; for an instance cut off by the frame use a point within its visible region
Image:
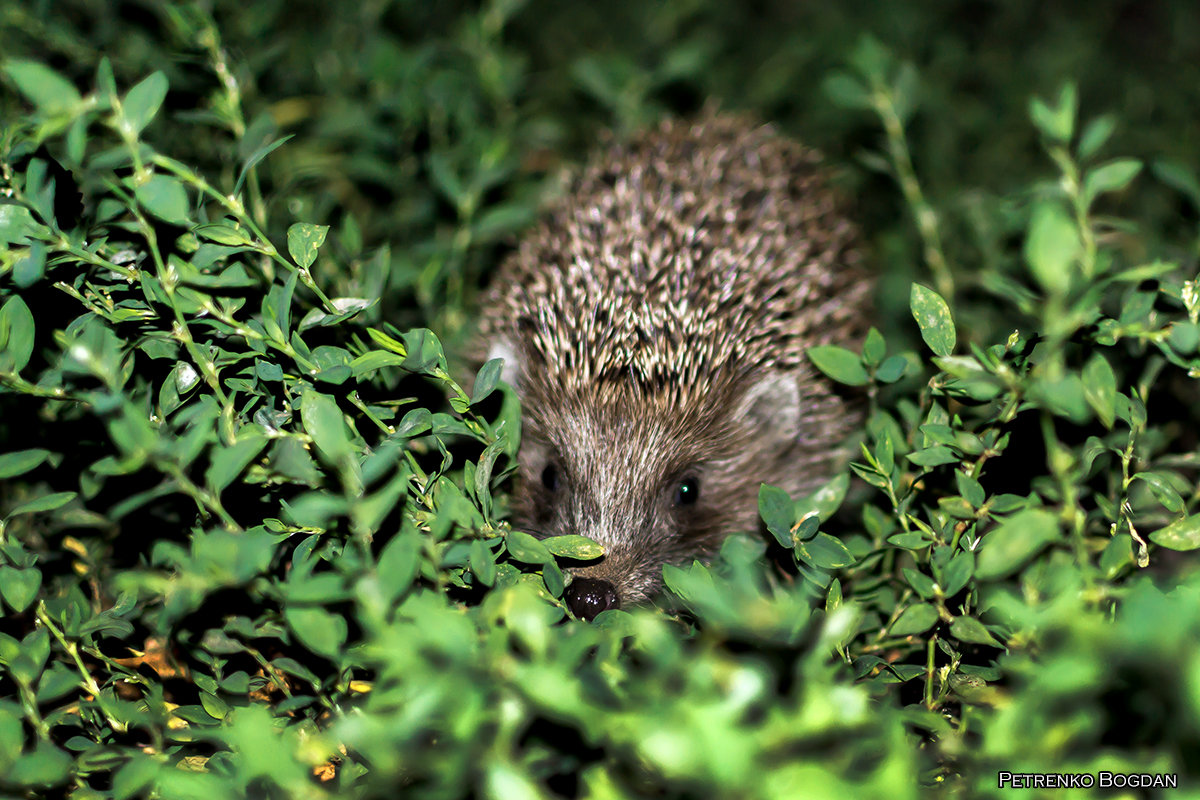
[693, 247]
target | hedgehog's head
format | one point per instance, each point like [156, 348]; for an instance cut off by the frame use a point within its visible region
[655, 476]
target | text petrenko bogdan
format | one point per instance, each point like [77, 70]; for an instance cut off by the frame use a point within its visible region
[1085, 780]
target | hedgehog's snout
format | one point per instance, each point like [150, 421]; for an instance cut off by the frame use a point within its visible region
[587, 597]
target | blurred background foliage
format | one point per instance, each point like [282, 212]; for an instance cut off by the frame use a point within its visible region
[438, 125]
[254, 538]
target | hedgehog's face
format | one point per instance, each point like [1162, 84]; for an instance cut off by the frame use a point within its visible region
[649, 501]
[650, 483]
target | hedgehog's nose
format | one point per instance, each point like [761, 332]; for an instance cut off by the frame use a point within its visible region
[587, 597]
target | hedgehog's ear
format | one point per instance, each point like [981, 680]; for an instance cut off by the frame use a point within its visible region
[510, 373]
[772, 407]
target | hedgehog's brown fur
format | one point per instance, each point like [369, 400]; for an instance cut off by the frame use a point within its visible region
[655, 326]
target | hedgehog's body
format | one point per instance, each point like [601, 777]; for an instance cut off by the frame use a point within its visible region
[655, 327]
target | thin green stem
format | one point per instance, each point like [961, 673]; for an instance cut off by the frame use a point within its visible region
[72, 649]
[923, 213]
[930, 670]
[206, 500]
[235, 207]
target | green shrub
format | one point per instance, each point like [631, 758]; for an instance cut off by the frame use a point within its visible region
[253, 537]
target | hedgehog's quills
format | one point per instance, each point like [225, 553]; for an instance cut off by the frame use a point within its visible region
[654, 326]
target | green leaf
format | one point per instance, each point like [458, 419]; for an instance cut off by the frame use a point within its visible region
[374, 360]
[424, 351]
[446, 179]
[839, 363]
[214, 706]
[526, 548]
[164, 197]
[572, 545]
[1013, 543]
[1184, 337]
[1180, 178]
[226, 463]
[874, 347]
[387, 342]
[19, 586]
[885, 452]
[483, 563]
[846, 91]
[16, 224]
[969, 629]
[1117, 555]
[12, 737]
[824, 501]
[486, 380]
[277, 308]
[399, 563]
[317, 629]
[257, 156]
[833, 598]
[917, 618]
[1095, 134]
[824, 552]
[1052, 247]
[920, 582]
[553, 577]
[16, 335]
[369, 513]
[958, 573]
[30, 269]
[348, 307]
[322, 588]
[892, 369]
[45, 88]
[910, 541]
[933, 318]
[304, 239]
[933, 456]
[1182, 534]
[223, 234]
[143, 101]
[1162, 490]
[267, 370]
[134, 776]
[1066, 397]
[1056, 123]
[871, 58]
[29, 662]
[46, 765]
[1111, 177]
[970, 489]
[778, 512]
[1100, 389]
[322, 419]
[47, 502]
[415, 422]
[21, 461]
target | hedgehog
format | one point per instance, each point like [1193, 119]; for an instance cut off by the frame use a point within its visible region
[654, 325]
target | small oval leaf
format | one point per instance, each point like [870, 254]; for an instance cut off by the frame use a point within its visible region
[917, 618]
[839, 363]
[933, 318]
[1182, 534]
[304, 239]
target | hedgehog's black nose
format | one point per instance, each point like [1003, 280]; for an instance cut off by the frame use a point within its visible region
[587, 597]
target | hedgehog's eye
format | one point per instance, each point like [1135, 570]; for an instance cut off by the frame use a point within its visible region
[550, 477]
[688, 491]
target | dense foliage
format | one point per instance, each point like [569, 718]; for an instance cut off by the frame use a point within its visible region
[253, 537]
